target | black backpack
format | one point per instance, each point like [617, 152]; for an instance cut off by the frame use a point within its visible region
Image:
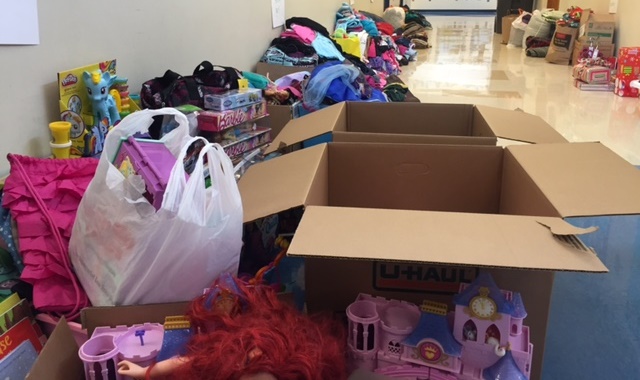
[172, 89]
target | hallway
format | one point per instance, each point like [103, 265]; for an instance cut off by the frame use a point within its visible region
[593, 332]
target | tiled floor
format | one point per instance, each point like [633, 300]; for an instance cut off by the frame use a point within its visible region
[467, 64]
[595, 319]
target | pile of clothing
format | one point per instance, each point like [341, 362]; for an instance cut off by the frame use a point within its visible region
[416, 33]
[352, 64]
[304, 42]
[333, 82]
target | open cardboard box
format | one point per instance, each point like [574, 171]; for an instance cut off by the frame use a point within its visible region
[411, 221]
[59, 358]
[421, 122]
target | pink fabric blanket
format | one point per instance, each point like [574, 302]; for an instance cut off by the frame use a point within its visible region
[43, 196]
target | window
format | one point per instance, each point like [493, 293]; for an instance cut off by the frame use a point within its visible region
[492, 333]
[469, 331]
[514, 329]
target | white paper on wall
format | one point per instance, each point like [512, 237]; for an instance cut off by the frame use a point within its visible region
[19, 22]
[277, 12]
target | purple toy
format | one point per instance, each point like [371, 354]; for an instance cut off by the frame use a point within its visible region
[108, 346]
[483, 339]
[151, 160]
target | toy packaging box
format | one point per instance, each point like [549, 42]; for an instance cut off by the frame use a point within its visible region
[214, 121]
[584, 86]
[592, 74]
[246, 141]
[628, 70]
[232, 99]
[75, 108]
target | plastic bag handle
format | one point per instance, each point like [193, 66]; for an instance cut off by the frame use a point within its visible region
[178, 178]
[207, 205]
[139, 122]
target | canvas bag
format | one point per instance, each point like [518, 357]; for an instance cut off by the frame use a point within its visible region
[173, 89]
[125, 253]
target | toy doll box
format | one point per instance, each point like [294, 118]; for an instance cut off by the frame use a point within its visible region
[413, 221]
[428, 123]
[232, 99]
[149, 159]
[212, 121]
[75, 106]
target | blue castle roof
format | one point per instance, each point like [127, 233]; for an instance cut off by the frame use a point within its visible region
[505, 368]
[518, 307]
[515, 308]
[436, 327]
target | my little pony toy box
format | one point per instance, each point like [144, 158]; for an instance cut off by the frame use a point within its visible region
[75, 108]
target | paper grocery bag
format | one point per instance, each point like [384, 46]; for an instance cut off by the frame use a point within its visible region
[561, 46]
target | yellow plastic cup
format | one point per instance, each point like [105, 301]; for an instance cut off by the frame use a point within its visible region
[61, 150]
[61, 132]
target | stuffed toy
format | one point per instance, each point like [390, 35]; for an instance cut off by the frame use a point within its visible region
[245, 332]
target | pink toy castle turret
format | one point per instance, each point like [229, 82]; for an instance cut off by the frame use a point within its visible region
[363, 334]
[108, 346]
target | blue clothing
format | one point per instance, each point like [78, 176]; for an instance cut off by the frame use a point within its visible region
[325, 48]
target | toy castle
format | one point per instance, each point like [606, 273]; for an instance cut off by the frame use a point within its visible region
[483, 339]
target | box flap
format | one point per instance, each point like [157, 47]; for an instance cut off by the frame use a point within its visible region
[93, 317]
[59, 358]
[311, 125]
[278, 117]
[281, 183]
[581, 179]
[519, 126]
[438, 237]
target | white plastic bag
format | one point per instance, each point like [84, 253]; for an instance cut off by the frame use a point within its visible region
[517, 31]
[537, 27]
[125, 253]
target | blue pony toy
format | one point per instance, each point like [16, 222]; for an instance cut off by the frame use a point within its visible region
[105, 110]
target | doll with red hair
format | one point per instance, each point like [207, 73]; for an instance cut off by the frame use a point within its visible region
[246, 333]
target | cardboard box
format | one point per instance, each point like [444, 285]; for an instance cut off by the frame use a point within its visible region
[606, 49]
[279, 115]
[447, 123]
[410, 221]
[600, 26]
[59, 358]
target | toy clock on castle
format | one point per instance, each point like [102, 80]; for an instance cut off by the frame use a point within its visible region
[483, 307]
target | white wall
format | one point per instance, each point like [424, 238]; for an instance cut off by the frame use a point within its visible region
[373, 6]
[145, 36]
[628, 32]
[598, 6]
